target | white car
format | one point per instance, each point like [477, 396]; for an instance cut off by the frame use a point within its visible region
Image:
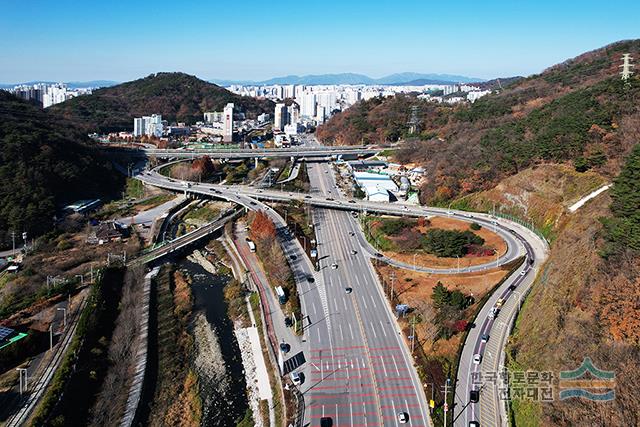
[295, 378]
[477, 358]
[403, 417]
[334, 266]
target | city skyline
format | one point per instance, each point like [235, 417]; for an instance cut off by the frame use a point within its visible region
[256, 41]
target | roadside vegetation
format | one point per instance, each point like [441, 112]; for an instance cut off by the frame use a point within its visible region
[175, 396]
[299, 221]
[418, 235]
[63, 254]
[73, 388]
[274, 262]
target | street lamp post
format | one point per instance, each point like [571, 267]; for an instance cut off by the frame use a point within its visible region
[64, 316]
[25, 387]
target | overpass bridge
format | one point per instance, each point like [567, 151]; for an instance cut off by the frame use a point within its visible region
[297, 152]
[178, 243]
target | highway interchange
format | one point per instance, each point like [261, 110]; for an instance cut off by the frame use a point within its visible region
[358, 369]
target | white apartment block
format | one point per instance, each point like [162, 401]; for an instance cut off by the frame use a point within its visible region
[148, 125]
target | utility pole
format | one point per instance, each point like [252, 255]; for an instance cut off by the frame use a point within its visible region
[51, 336]
[393, 280]
[413, 333]
[13, 239]
[446, 405]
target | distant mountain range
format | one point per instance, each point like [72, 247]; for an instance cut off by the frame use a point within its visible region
[355, 79]
[416, 79]
[74, 85]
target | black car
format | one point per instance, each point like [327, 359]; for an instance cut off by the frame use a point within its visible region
[310, 279]
[284, 347]
[474, 396]
[288, 322]
[326, 422]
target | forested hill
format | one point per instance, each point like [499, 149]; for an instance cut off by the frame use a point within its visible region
[176, 96]
[578, 111]
[44, 163]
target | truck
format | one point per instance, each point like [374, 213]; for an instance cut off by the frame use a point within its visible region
[282, 298]
[252, 246]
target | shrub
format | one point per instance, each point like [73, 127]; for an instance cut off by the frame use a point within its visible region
[475, 226]
[449, 243]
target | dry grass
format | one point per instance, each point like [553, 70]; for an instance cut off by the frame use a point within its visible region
[415, 289]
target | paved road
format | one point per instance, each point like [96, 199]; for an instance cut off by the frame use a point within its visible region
[334, 202]
[359, 348]
[298, 152]
[361, 373]
[490, 410]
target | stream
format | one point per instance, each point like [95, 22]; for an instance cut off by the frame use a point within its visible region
[217, 356]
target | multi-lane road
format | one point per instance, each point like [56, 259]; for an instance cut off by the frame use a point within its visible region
[358, 370]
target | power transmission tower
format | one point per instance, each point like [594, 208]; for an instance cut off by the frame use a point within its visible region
[626, 66]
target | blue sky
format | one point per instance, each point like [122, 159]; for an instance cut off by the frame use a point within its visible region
[123, 40]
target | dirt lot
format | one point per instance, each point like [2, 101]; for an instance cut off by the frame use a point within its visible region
[427, 260]
[415, 289]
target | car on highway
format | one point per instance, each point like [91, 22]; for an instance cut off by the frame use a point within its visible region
[493, 313]
[351, 233]
[512, 287]
[307, 197]
[484, 337]
[310, 279]
[474, 396]
[477, 358]
[474, 424]
[523, 272]
[296, 378]
[334, 266]
[329, 199]
[352, 201]
[253, 203]
[288, 322]
[500, 302]
[353, 252]
[326, 422]
[403, 417]
[378, 254]
[284, 347]
[348, 290]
